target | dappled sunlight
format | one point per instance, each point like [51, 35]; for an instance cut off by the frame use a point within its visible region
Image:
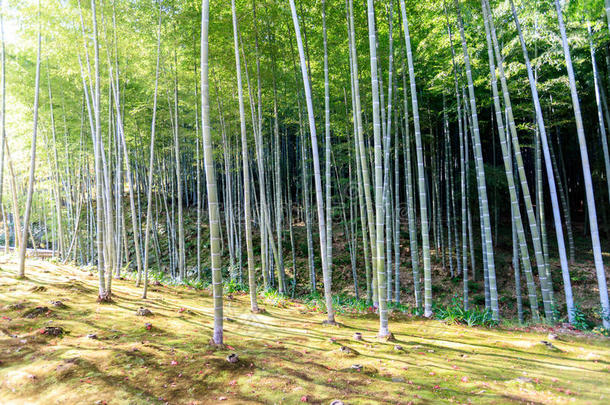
[330, 202]
[284, 355]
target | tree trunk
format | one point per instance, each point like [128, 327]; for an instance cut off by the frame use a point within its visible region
[584, 156]
[482, 187]
[210, 174]
[28, 203]
[316, 164]
[245, 168]
[151, 164]
[423, 197]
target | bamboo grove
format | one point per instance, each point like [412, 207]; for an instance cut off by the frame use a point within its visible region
[293, 145]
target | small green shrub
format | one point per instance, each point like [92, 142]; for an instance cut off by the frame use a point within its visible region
[599, 313]
[580, 319]
[274, 298]
[342, 304]
[556, 313]
[233, 286]
[577, 275]
[399, 307]
[455, 314]
[196, 284]
[417, 311]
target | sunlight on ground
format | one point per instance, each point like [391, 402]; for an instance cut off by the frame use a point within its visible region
[286, 355]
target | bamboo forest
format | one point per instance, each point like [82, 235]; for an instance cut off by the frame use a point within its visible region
[304, 201]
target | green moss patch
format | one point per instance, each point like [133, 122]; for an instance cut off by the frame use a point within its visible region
[285, 355]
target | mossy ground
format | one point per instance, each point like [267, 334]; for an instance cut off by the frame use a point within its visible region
[286, 354]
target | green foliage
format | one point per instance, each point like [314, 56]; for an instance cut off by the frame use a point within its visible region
[478, 299]
[341, 303]
[126, 267]
[348, 304]
[599, 313]
[303, 248]
[341, 260]
[454, 314]
[398, 307]
[580, 319]
[162, 277]
[277, 344]
[417, 311]
[555, 310]
[197, 284]
[233, 286]
[159, 276]
[135, 34]
[600, 330]
[578, 275]
[274, 298]
[474, 286]
[315, 301]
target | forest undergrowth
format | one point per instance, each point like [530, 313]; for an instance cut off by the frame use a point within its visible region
[446, 289]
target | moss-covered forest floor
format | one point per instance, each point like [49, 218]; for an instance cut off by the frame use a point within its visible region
[285, 355]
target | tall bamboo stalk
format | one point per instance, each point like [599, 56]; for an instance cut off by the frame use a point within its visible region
[316, 164]
[210, 174]
[421, 177]
[28, 204]
[245, 168]
[482, 187]
[379, 202]
[151, 164]
[589, 193]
